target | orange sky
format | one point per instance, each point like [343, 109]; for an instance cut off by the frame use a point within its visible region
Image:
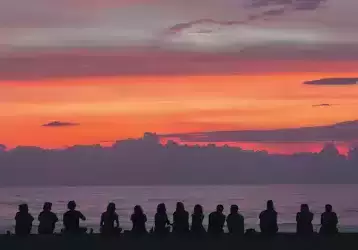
[110, 108]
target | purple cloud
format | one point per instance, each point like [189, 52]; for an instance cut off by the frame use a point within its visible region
[60, 124]
[333, 81]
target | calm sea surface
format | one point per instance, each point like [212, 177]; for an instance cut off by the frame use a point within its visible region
[251, 200]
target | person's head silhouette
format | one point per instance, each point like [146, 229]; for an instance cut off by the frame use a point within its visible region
[71, 205]
[161, 209]
[305, 208]
[47, 206]
[270, 205]
[180, 207]
[219, 208]
[138, 210]
[23, 208]
[234, 209]
[198, 209]
[328, 208]
[111, 208]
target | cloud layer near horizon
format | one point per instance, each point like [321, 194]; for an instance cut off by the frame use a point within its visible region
[145, 161]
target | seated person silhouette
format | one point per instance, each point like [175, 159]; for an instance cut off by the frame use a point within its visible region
[268, 220]
[235, 221]
[217, 221]
[197, 220]
[329, 221]
[23, 221]
[71, 219]
[161, 220]
[138, 219]
[109, 221]
[47, 219]
[304, 221]
[180, 219]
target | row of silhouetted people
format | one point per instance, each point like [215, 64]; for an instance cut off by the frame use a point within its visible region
[235, 221]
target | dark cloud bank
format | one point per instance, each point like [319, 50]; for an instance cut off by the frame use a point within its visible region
[145, 161]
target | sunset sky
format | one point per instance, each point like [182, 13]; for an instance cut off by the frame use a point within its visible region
[96, 71]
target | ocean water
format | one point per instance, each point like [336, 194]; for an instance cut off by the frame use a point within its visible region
[92, 201]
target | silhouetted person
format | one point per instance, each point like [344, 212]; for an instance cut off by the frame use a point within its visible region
[304, 220]
[47, 220]
[71, 219]
[197, 220]
[161, 220]
[109, 221]
[23, 221]
[268, 220]
[329, 221]
[217, 221]
[180, 219]
[138, 219]
[235, 221]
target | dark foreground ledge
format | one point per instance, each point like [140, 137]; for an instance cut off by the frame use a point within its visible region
[282, 241]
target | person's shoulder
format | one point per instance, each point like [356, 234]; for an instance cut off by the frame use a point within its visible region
[78, 212]
[68, 213]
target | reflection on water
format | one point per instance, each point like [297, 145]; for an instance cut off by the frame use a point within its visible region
[92, 201]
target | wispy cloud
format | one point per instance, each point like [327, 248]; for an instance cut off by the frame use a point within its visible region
[278, 7]
[323, 105]
[337, 132]
[294, 4]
